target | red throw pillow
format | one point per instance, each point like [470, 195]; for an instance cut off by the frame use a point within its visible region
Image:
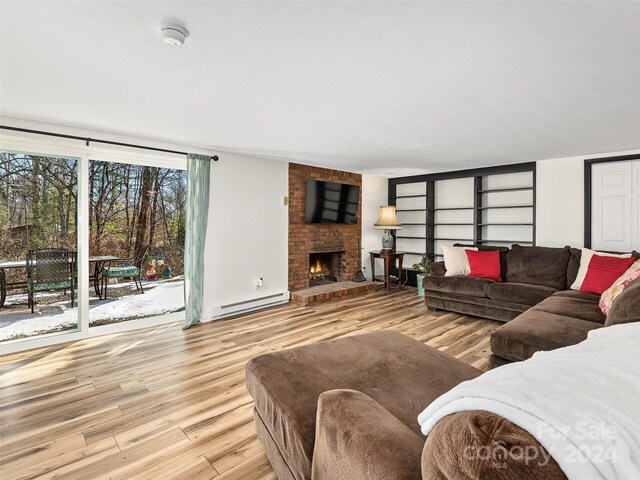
[485, 264]
[603, 271]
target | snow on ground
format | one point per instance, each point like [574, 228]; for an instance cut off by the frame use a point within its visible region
[159, 298]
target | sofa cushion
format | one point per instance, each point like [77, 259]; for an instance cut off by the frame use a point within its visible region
[495, 361]
[603, 272]
[516, 307]
[538, 266]
[456, 261]
[479, 307]
[354, 433]
[437, 269]
[578, 294]
[489, 248]
[477, 444]
[399, 373]
[585, 260]
[573, 266]
[573, 307]
[484, 264]
[471, 286]
[536, 330]
[608, 297]
[625, 308]
[519, 292]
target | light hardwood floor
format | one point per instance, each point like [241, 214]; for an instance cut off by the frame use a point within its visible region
[166, 403]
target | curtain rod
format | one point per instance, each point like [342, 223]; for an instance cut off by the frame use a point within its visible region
[96, 140]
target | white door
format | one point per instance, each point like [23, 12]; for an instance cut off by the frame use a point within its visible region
[615, 198]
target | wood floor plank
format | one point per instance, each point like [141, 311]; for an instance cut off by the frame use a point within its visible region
[42, 451]
[169, 403]
[254, 468]
[131, 461]
[200, 470]
[31, 436]
[45, 416]
[66, 461]
[10, 395]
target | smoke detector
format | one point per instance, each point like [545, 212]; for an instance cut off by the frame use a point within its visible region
[172, 34]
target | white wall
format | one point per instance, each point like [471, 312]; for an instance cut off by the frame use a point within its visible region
[560, 202]
[560, 199]
[246, 234]
[374, 195]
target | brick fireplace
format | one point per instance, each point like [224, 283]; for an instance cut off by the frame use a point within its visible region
[338, 245]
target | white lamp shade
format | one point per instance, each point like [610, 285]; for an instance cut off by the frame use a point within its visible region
[388, 220]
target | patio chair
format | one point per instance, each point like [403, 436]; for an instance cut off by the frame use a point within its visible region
[49, 270]
[126, 268]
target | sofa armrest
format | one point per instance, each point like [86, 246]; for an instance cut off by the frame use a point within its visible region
[437, 269]
[477, 444]
[358, 439]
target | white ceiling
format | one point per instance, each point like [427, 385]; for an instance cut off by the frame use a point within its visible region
[380, 87]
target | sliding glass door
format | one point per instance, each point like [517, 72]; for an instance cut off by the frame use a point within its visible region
[38, 245]
[137, 220]
[91, 240]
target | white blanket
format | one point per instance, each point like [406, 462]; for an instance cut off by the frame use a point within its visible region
[582, 403]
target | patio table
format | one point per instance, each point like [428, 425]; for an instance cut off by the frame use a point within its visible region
[98, 262]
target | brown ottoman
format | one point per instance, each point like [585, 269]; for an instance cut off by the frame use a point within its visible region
[399, 373]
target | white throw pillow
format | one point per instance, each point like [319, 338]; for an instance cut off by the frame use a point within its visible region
[585, 259]
[456, 261]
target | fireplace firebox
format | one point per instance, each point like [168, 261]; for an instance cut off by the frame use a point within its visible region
[324, 267]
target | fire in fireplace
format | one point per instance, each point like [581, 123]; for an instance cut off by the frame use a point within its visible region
[323, 268]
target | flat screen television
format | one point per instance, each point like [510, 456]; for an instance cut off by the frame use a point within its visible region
[329, 202]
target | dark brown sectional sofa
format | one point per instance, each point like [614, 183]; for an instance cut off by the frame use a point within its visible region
[534, 299]
[347, 408]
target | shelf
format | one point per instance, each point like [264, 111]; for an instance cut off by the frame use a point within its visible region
[519, 242]
[507, 224]
[505, 206]
[412, 210]
[450, 208]
[440, 222]
[451, 224]
[408, 196]
[514, 189]
[453, 239]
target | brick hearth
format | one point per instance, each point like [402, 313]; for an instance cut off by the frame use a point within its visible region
[331, 291]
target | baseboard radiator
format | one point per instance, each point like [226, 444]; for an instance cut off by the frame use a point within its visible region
[247, 306]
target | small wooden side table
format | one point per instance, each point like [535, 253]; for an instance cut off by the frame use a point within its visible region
[387, 257]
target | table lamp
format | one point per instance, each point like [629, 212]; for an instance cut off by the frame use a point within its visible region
[387, 221]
